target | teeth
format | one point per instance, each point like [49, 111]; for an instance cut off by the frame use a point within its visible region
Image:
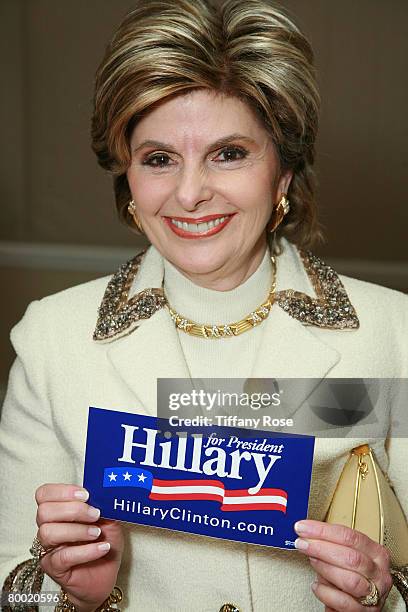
[197, 228]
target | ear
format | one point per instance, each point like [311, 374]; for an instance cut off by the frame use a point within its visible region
[284, 182]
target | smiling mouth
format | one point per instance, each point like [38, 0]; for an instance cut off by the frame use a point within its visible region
[198, 228]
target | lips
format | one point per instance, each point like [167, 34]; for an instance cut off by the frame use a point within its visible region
[202, 227]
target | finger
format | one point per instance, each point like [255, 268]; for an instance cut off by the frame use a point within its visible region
[60, 492]
[320, 578]
[327, 608]
[352, 583]
[338, 534]
[59, 562]
[66, 512]
[335, 599]
[54, 534]
[339, 556]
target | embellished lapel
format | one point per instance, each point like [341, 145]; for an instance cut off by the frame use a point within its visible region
[330, 309]
[143, 343]
[133, 318]
[290, 347]
[120, 314]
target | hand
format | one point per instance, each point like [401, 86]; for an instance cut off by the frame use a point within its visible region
[343, 559]
[85, 568]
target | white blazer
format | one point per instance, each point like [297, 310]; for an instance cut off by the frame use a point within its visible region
[60, 371]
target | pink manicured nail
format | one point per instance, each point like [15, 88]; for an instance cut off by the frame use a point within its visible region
[104, 546]
[94, 512]
[81, 494]
[301, 544]
[94, 532]
[301, 527]
[314, 585]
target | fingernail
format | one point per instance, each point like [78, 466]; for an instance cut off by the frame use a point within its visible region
[94, 532]
[301, 527]
[314, 585]
[301, 544]
[81, 494]
[94, 512]
[104, 546]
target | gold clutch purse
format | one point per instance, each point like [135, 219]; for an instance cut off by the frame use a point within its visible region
[365, 500]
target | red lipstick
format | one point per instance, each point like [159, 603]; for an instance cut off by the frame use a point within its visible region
[194, 235]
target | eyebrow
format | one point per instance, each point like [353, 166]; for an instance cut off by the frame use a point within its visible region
[215, 145]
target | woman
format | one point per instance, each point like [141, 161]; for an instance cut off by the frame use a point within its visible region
[207, 120]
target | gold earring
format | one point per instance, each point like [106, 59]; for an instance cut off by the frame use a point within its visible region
[282, 208]
[132, 211]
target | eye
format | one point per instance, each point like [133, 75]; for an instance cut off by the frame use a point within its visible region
[158, 160]
[233, 154]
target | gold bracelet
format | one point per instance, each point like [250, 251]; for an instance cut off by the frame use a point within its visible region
[65, 605]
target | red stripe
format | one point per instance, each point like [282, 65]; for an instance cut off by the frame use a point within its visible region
[181, 483]
[174, 496]
[235, 507]
[218, 497]
[238, 492]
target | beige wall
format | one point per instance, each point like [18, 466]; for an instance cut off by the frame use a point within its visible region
[52, 191]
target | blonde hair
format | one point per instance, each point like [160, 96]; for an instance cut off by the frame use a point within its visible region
[248, 49]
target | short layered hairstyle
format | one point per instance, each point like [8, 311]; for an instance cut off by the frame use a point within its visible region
[248, 49]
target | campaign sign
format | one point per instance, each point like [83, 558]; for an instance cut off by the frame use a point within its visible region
[235, 484]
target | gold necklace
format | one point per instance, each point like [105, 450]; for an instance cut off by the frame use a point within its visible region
[254, 318]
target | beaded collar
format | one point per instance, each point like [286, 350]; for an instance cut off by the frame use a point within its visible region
[119, 315]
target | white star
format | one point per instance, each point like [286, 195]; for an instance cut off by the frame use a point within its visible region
[112, 476]
[127, 476]
[142, 477]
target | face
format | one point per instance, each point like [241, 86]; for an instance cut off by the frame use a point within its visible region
[205, 177]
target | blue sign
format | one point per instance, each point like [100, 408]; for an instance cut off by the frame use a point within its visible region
[235, 484]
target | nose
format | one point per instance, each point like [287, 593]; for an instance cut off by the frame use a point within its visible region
[193, 188]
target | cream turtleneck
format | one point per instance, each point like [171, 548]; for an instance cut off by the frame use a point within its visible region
[226, 357]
